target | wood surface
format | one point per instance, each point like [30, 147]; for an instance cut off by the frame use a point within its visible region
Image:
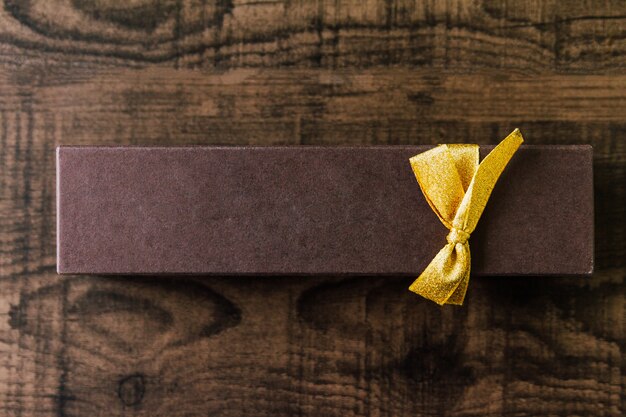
[306, 72]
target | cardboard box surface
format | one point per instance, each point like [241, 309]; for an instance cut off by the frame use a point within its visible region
[309, 211]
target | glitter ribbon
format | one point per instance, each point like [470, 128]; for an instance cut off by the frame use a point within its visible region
[457, 188]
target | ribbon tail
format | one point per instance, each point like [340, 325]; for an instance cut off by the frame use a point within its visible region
[445, 279]
[484, 181]
[458, 296]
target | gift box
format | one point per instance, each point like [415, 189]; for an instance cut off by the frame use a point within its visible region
[309, 211]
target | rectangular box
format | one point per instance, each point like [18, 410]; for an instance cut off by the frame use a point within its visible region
[307, 211]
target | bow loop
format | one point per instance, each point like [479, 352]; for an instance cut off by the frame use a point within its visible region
[457, 188]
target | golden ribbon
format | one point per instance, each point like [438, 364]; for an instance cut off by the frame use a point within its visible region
[457, 188]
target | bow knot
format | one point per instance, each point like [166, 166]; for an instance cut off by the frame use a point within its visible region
[457, 236]
[457, 188]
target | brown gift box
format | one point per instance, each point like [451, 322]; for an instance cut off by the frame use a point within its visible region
[308, 211]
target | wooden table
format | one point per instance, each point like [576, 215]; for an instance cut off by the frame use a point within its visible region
[178, 72]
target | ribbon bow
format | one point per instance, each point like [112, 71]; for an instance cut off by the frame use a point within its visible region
[457, 188]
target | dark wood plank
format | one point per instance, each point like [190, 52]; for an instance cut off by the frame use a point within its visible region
[524, 36]
[305, 72]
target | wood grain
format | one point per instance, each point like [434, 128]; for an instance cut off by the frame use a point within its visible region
[306, 72]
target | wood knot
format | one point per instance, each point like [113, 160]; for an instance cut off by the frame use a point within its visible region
[131, 389]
